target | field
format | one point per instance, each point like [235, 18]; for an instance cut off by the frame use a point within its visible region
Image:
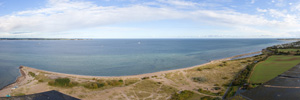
[272, 67]
[286, 50]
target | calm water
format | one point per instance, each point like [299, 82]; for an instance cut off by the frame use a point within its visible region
[117, 57]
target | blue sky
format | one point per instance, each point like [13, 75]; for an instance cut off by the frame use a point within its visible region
[149, 18]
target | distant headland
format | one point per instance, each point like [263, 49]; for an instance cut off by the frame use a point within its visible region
[290, 39]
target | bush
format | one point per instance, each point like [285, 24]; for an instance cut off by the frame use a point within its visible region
[183, 95]
[209, 93]
[100, 84]
[41, 80]
[225, 78]
[62, 82]
[199, 79]
[210, 98]
[31, 74]
[114, 82]
[199, 69]
[217, 88]
[144, 78]
[94, 85]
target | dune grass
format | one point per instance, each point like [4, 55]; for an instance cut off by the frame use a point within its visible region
[272, 67]
[148, 89]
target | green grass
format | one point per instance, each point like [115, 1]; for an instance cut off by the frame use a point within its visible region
[19, 94]
[272, 67]
[31, 74]
[286, 50]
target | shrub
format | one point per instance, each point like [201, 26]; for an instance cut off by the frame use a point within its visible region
[183, 95]
[225, 78]
[217, 88]
[210, 98]
[31, 74]
[199, 69]
[145, 78]
[208, 92]
[114, 82]
[199, 79]
[62, 82]
[41, 80]
[94, 85]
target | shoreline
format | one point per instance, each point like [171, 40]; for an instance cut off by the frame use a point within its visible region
[146, 74]
[28, 84]
[23, 75]
[18, 80]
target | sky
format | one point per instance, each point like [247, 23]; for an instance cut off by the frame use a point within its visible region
[149, 19]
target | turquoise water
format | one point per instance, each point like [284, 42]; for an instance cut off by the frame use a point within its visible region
[118, 57]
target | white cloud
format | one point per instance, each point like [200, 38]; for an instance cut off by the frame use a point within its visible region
[65, 15]
[296, 7]
[261, 10]
[179, 2]
[276, 14]
[252, 1]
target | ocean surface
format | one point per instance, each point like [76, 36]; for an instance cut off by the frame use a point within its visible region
[118, 57]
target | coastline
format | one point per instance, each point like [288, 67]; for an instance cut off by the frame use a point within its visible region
[23, 75]
[172, 80]
[18, 80]
[147, 74]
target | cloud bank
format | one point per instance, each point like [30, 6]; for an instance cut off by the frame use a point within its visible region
[65, 15]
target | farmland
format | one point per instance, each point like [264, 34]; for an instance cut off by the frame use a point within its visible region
[273, 66]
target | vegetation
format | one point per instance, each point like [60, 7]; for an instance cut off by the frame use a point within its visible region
[101, 83]
[130, 81]
[144, 78]
[62, 82]
[149, 89]
[210, 93]
[31, 74]
[210, 98]
[274, 61]
[231, 92]
[183, 95]
[94, 85]
[243, 76]
[19, 94]
[272, 67]
[199, 79]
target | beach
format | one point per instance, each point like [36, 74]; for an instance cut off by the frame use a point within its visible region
[25, 80]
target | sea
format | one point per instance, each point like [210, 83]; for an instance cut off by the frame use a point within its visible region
[118, 57]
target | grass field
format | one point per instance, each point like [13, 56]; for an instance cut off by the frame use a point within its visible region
[272, 67]
[286, 50]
